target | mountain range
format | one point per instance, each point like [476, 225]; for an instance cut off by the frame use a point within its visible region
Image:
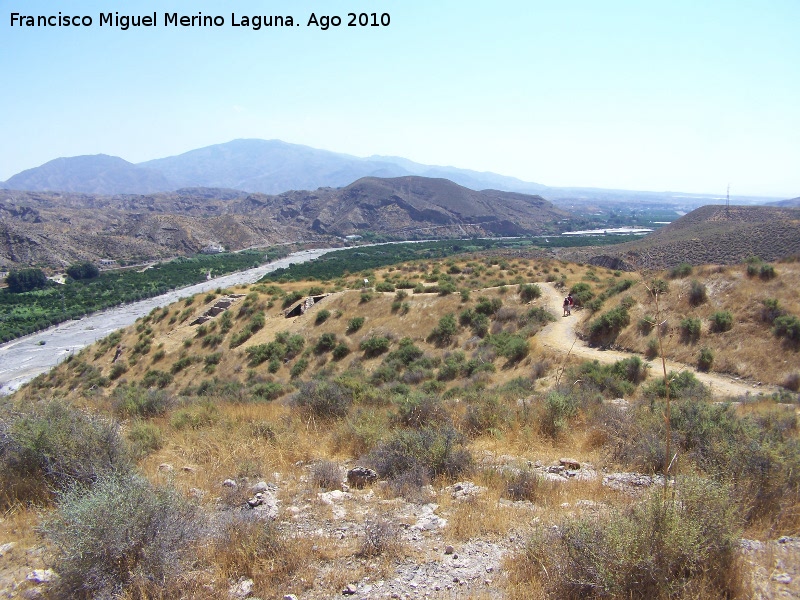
[251, 165]
[274, 167]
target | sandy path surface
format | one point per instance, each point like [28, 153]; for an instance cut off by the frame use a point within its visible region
[560, 336]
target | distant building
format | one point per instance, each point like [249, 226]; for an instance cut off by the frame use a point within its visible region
[107, 262]
[213, 249]
[352, 238]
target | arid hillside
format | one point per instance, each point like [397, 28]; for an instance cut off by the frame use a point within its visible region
[441, 432]
[55, 229]
[707, 235]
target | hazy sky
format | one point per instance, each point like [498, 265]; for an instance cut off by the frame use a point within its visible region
[674, 95]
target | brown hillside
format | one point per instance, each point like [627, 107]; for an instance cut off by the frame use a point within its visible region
[708, 235]
[56, 229]
[486, 452]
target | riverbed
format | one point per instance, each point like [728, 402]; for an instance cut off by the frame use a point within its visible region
[24, 358]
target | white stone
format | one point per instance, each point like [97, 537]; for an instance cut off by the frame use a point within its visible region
[242, 589]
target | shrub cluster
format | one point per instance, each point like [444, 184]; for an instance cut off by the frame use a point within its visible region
[681, 546]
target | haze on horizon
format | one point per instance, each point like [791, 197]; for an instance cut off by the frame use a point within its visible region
[619, 94]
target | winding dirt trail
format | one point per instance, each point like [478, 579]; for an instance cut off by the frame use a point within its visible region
[560, 336]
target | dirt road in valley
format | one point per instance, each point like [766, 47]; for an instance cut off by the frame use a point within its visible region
[561, 337]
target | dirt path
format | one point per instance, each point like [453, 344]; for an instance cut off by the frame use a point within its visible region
[560, 336]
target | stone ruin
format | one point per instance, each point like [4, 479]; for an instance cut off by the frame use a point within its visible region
[218, 307]
[302, 306]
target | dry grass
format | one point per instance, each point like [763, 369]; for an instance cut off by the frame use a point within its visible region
[250, 440]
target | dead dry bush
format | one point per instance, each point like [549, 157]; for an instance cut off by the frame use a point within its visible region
[247, 546]
[681, 546]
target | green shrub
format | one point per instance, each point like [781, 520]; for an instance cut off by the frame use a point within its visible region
[267, 391]
[690, 329]
[608, 325]
[771, 310]
[134, 401]
[340, 351]
[422, 453]
[682, 270]
[156, 378]
[354, 324]
[486, 415]
[488, 307]
[419, 410]
[54, 446]
[682, 385]
[374, 346]
[322, 316]
[681, 546]
[445, 331]
[384, 286]
[326, 343]
[646, 324]
[706, 359]
[697, 293]
[324, 399]
[365, 297]
[121, 531]
[195, 417]
[767, 272]
[117, 370]
[144, 438]
[528, 292]
[581, 293]
[787, 326]
[617, 379]
[559, 408]
[298, 368]
[721, 321]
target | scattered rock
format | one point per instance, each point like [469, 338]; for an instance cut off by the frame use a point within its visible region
[429, 521]
[334, 496]
[784, 578]
[241, 589]
[465, 490]
[349, 590]
[449, 549]
[229, 483]
[263, 486]
[631, 483]
[189, 469]
[166, 468]
[358, 477]
[265, 504]
[569, 464]
[42, 576]
[289, 597]
[6, 548]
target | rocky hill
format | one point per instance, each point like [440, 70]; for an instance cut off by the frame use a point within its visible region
[59, 228]
[98, 174]
[710, 234]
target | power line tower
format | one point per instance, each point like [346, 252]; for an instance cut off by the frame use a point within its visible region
[728, 202]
